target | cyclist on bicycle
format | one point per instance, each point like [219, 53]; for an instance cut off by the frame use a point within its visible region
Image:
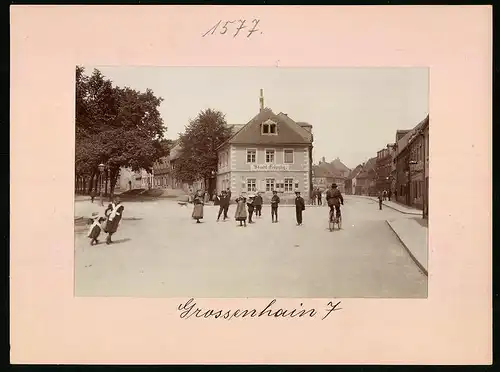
[334, 199]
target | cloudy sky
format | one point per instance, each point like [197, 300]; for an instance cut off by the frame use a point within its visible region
[354, 111]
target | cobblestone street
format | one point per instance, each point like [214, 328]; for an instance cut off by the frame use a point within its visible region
[161, 252]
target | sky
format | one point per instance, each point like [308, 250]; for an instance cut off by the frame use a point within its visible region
[354, 111]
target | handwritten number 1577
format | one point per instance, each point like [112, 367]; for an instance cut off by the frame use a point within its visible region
[228, 25]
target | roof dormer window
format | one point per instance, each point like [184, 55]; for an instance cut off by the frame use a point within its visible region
[269, 127]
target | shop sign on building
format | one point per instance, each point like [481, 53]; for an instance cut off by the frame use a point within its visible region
[270, 167]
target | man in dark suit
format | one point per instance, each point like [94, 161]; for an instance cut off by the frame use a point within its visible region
[300, 205]
[223, 205]
[257, 202]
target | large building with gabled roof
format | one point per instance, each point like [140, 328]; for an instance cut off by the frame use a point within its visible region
[270, 152]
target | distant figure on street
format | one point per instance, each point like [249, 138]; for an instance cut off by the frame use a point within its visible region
[251, 207]
[380, 199]
[314, 196]
[223, 205]
[95, 228]
[275, 201]
[114, 214]
[198, 202]
[92, 195]
[396, 195]
[258, 204]
[320, 201]
[300, 206]
[389, 194]
[228, 191]
[385, 194]
[241, 210]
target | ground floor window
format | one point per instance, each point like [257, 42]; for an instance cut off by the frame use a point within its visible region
[269, 184]
[251, 185]
[288, 184]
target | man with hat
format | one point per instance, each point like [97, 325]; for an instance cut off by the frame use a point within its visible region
[275, 200]
[258, 204]
[300, 206]
[334, 198]
[223, 205]
[250, 205]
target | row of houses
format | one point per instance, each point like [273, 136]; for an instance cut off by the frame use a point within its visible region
[325, 173]
[401, 167]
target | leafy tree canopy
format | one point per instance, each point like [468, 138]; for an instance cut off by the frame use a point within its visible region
[199, 143]
[120, 127]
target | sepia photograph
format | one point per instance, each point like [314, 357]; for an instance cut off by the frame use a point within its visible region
[233, 182]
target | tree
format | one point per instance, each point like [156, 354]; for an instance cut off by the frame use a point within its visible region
[119, 127]
[199, 143]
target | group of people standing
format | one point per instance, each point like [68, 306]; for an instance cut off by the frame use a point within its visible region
[317, 197]
[107, 222]
[246, 207]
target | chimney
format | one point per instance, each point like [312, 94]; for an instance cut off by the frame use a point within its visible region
[261, 99]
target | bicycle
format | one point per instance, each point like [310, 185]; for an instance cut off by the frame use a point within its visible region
[334, 219]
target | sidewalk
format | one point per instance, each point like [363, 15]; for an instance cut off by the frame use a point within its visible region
[414, 237]
[393, 205]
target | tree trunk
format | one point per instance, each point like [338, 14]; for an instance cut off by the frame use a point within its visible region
[106, 176]
[91, 183]
[114, 177]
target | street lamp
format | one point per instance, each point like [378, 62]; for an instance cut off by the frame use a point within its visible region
[101, 172]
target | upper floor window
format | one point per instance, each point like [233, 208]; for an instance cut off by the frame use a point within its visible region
[270, 156]
[288, 156]
[269, 127]
[251, 155]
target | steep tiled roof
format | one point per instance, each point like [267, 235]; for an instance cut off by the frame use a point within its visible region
[355, 172]
[326, 170]
[371, 163]
[300, 127]
[340, 166]
[403, 142]
[289, 132]
[175, 150]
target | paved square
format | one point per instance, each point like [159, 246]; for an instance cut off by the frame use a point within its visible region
[161, 252]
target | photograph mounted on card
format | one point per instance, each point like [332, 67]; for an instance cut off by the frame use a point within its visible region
[255, 154]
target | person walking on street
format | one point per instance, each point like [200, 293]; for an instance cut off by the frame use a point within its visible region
[198, 202]
[251, 207]
[389, 194]
[258, 204]
[320, 200]
[313, 197]
[380, 199]
[113, 213]
[300, 206]
[241, 210]
[92, 195]
[275, 201]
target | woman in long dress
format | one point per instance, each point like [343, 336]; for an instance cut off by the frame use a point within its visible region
[241, 210]
[113, 213]
[198, 206]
